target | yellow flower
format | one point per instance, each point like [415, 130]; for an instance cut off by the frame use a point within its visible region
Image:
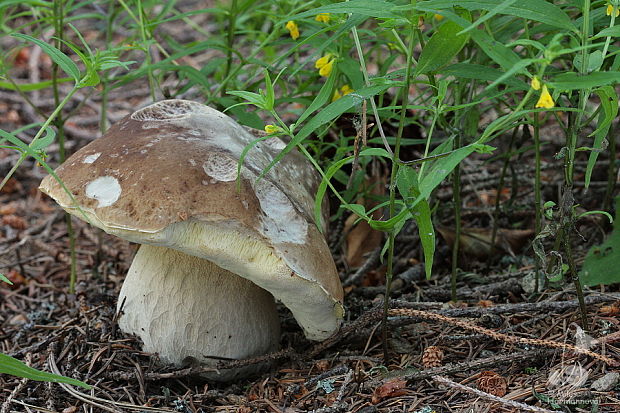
[438, 17]
[327, 68]
[545, 100]
[272, 129]
[291, 26]
[345, 90]
[612, 9]
[323, 17]
[322, 61]
[535, 83]
[325, 64]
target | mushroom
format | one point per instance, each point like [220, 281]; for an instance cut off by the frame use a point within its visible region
[215, 250]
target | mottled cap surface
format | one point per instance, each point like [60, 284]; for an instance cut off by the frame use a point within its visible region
[176, 161]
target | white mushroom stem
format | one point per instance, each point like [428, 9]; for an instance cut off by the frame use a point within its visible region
[188, 309]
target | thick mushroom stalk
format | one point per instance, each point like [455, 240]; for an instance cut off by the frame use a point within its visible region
[192, 312]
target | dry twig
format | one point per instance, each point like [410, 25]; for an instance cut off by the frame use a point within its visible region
[521, 407]
[408, 312]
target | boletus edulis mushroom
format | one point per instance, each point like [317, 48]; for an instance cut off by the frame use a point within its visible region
[213, 254]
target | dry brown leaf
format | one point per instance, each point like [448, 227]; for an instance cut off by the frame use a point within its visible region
[14, 221]
[610, 310]
[477, 241]
[12, 185]
[489, 197]
[361, 239]
[8, 209]
[392, 388]
[16, 278]
[22, 57]
[360, 242]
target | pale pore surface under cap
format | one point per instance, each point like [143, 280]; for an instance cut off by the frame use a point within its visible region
[239, 251]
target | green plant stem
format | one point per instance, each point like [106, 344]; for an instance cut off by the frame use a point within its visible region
[375, 112]
[456, 195]
[59, 122]
[392, 202]
[60, 35]
[575, 277]
[232, 17]
[611, 169]
[537, 193]
[236, 70]
[45, 125]
[500, 186]
[141, 22]
[103, 120]
[147, 49]
[567, 216]
[608, 39]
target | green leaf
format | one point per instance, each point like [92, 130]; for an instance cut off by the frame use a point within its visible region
[357, 209]
[602, 261]
[595, 61]
[270, 95]
[492, 13]
[572, 81]
[537, 10]
[14, 367]
[372, 8]
[329, 113]
[250, 97]
[322, 98]
[512, 72]
[496, 50]
[29, 87]
[609, 103]
[61, 59]
[37, 3]
[6, 280]
[45, 141]
[407, 184]
[613, 31]
[330, 172]
[481, 72]
[391, 223]
[442, 47]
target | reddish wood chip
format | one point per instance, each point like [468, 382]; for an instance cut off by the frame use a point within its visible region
[392, 388]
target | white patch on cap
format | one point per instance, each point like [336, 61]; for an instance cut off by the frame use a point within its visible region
[91, 158]
[281, 221]
[104, 189]
[220, 167]
[165, 111]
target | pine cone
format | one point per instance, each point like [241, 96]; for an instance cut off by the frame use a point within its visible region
[492, 383]
[432, 357]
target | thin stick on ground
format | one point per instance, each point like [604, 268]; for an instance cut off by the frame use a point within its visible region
[508, 403]
[407, 312]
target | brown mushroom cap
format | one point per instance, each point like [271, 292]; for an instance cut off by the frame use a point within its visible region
[173, 166]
